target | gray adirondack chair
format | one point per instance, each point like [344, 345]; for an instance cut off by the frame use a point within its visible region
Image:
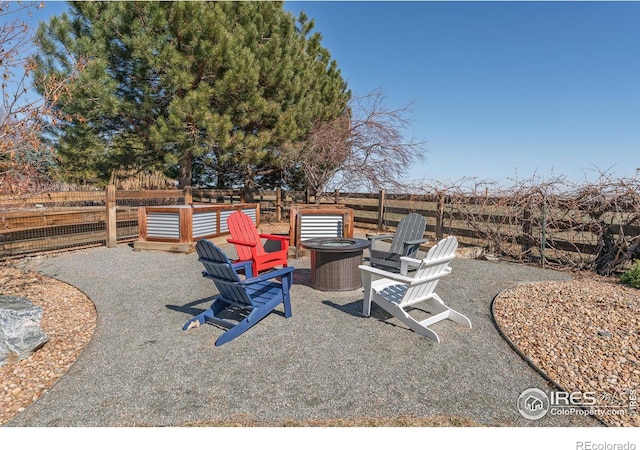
[406, 242]
[256, 296]
[398, 293]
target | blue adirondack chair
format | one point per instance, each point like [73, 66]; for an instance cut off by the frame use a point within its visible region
[257, 296]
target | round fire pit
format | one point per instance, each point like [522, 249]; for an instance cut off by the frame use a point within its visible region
[335, 261]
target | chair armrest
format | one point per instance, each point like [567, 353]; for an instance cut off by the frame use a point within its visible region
[243, 265]
[237, 242]
[415, 241]
[269, 275]
[384, 274]
[407, 262]
[375, 237]
[274, 236]
[433, 262]
[430, 278]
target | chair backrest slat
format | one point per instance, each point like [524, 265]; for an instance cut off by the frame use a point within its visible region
[217, 265]
[242, 228]
[410, 228]
[444, 251]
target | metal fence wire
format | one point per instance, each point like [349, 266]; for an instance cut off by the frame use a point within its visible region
[51, 221]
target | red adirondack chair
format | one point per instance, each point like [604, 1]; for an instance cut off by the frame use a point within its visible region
[248, 243]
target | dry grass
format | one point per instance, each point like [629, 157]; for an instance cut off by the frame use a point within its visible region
[404, 421]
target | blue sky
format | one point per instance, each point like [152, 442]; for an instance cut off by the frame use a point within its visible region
[499, 90]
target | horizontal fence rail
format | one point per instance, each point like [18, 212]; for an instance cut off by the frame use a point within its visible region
[31, 224]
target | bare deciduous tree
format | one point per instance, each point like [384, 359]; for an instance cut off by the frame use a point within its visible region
[24, 158]
[381, 152]
[367, 151]
[324, 153]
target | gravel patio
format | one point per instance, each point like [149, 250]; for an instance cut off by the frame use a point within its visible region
[325, 362]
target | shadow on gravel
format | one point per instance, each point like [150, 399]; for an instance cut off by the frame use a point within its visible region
[189, 308]
[230, 313]
[353, 308]
[302, 277]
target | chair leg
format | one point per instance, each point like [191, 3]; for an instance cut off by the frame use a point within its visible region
[459, 318]
[286, 298]
[368, 293]
[422, 330]
[253, 318]
[287, 306]
[409, 321]
[454, 315]
[440, 312]
[366, 302]
[209, 314]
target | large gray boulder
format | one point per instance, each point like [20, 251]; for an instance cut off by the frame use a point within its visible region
[20, 332]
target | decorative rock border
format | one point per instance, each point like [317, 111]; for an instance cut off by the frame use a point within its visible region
[69, 319]
[581, 336]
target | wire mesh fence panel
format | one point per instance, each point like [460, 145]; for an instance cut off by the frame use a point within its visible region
[35, 223]
[127, 204]
[31, 224]
[127, 224]
[28, 232]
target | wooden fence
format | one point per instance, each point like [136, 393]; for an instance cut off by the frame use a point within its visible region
[32, 224]
[60, 220]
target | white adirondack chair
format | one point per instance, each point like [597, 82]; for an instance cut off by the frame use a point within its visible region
[397, 293]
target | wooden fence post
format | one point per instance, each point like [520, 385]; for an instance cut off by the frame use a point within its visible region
[440, 216]
[112, 232]
[543, 238]
[527, 229]
[381, 204]
[188, 195]
[278, 204]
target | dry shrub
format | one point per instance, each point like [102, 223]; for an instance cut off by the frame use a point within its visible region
[592, 225]
[141, 179]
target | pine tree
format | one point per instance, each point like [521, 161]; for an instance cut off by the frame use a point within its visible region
[169, 83]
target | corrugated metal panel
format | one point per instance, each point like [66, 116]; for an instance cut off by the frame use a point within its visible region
[204, 224]
[321, 225]
[163, 225]
[224, 215]
[251, 212]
